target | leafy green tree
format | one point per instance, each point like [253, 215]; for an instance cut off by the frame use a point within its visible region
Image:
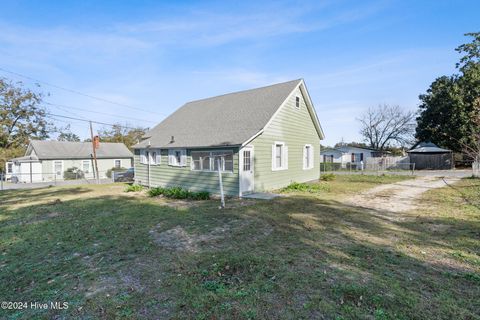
[449, 107]
[67, 135]
[22, 118]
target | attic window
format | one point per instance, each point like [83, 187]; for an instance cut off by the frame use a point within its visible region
[297, 102]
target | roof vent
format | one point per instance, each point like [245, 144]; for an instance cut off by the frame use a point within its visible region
[172, 140]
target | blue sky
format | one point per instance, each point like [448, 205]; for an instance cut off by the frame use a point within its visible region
[157, 56]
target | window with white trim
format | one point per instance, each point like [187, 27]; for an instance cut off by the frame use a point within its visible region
[308, 157]
[177, 157]
[143, 156]
[155, 157]
[117, 163]
[297, 102]
[279, 156]
[9, 167]
[58, 167]
[208, 160]
[86, 166]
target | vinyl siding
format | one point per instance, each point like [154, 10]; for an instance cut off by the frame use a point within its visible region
[295, 127]
[165, 175]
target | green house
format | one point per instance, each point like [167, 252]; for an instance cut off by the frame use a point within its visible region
[262, 139]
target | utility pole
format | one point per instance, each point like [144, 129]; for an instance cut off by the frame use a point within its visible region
[94, 153]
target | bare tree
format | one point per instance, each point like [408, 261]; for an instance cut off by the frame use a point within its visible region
[473, 150]
[387, 125]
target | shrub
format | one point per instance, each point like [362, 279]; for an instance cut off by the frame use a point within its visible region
[73, 173]
[133, 188]
[202, 195]
[295, 186]
[178, 193]
[109, 171]
[306, 187]
[327, 177]
[154, 192]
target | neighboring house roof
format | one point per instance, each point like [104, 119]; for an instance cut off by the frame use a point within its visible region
[229, 119]
[347, 149]
[25, 159]
[76, 150]
[427, 147]
[330, 150]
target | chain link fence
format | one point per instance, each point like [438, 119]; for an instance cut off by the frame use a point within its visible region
[69, 177]
[371, 165]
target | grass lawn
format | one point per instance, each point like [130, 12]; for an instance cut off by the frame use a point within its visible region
[112, 254]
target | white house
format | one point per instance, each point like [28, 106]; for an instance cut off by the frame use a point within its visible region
[348, 154]
[48, 160]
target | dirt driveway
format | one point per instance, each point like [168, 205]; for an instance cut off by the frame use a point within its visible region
[398, 197]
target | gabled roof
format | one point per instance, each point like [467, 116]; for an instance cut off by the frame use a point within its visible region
[76, 150]
[427, 147]
[229, 119]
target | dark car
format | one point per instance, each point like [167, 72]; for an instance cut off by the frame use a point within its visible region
[124, 176]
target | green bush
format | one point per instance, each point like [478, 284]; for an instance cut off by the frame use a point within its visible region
[178, 193]
[327, 177]
[202, 195]
[109, 171]
[295, 186]
[133, 188]
[73, 173]
[154, 192]
[306, 187]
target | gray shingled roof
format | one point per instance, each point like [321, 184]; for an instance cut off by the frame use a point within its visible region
[428, 147]
[229, 119]
[78, 150]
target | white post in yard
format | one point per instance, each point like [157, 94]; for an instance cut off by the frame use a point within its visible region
[221, 183]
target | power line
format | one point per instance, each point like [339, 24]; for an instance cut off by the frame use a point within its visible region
[85, 120]
[61, 106]
[80, 93]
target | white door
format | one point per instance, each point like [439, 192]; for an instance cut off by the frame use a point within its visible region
[58, 170]
[246, 170]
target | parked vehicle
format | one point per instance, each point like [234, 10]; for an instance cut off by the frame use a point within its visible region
[124, 176]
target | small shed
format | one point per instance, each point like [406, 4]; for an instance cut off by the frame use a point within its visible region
[427, 155]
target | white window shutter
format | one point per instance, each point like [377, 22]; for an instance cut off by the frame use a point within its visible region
[142, 156]
[305, 157]
[311, 157]
[285, 157]
[170, 157]
[273, 157]
[183, 158]
[159, 157]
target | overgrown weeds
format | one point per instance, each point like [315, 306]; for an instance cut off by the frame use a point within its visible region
[306, 187]
[133, 188]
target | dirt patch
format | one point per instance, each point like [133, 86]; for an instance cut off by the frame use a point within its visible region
[397, 197]
[178, 239]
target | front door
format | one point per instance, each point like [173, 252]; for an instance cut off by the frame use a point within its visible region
[58, 170]
[246, 170]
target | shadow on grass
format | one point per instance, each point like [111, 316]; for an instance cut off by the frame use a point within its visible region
[9, 197]
[319, 259]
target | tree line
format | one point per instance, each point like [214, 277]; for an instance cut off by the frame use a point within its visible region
[448, 115]
[23, 118]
